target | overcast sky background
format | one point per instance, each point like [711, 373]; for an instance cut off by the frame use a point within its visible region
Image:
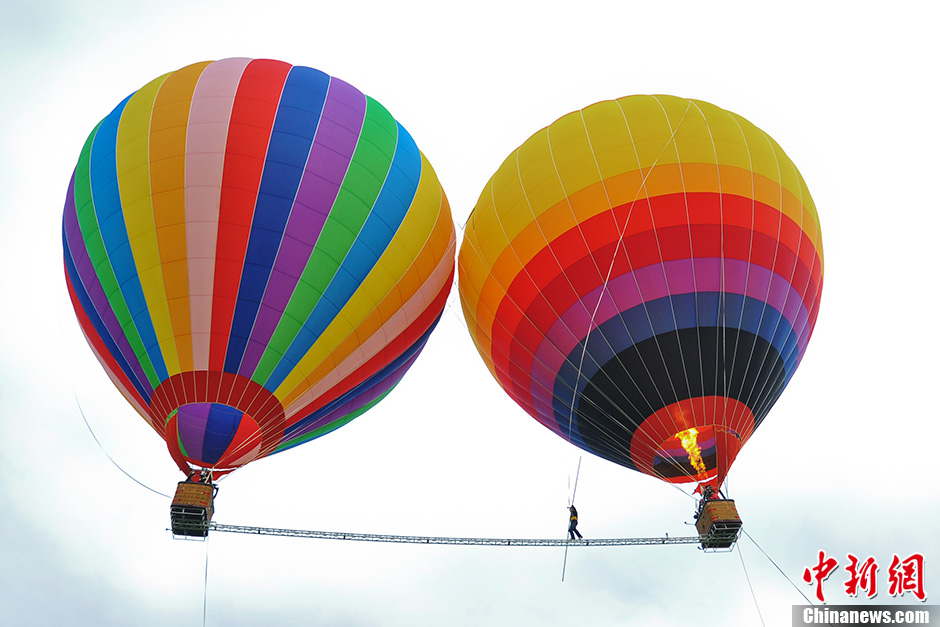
[844, 462]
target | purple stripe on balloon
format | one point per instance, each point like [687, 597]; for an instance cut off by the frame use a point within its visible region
[678, 451]
[191, 424]
[359, 401]
[86, 272]
[330, 155]
[683, 276]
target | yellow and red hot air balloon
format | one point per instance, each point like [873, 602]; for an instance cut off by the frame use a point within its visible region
[642, 277]
[256, 253]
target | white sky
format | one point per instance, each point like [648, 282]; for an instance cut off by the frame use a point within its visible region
[849, 92]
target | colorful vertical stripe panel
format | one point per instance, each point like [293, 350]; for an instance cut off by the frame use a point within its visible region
[642, 277]
[256, 252]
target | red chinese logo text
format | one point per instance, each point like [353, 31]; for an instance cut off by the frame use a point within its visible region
[904, 576]
[907, 576]
[820, 572]
[861, 576]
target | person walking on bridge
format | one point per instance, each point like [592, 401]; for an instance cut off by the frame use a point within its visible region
[573, 523]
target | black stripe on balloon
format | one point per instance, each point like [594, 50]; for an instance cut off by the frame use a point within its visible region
[717, 362]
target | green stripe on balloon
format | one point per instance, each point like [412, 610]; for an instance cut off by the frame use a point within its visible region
[333, 425]
[367, 172]
[94, 245]
[179, 440]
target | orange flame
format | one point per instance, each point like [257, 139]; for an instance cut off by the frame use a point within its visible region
[689, 441]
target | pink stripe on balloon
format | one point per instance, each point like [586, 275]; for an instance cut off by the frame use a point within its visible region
[393, 327]
[206, 136]
[360, 400]
[330, 154]
[629, 290]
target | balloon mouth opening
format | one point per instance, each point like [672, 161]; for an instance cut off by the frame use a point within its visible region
[677, 441]
[215, 435]
[688, 455]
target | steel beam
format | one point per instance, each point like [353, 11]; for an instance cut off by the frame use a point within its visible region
[377, 537]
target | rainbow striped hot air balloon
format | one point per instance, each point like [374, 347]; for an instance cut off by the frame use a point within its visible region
[642, 276]
[256, 253]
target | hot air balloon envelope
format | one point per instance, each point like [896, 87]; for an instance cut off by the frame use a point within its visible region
[256, 253]
[642, 277]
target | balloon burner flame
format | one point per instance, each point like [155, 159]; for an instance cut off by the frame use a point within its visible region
[689, 441]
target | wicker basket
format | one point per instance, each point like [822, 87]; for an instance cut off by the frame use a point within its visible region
[192, 509]
[719, 524]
